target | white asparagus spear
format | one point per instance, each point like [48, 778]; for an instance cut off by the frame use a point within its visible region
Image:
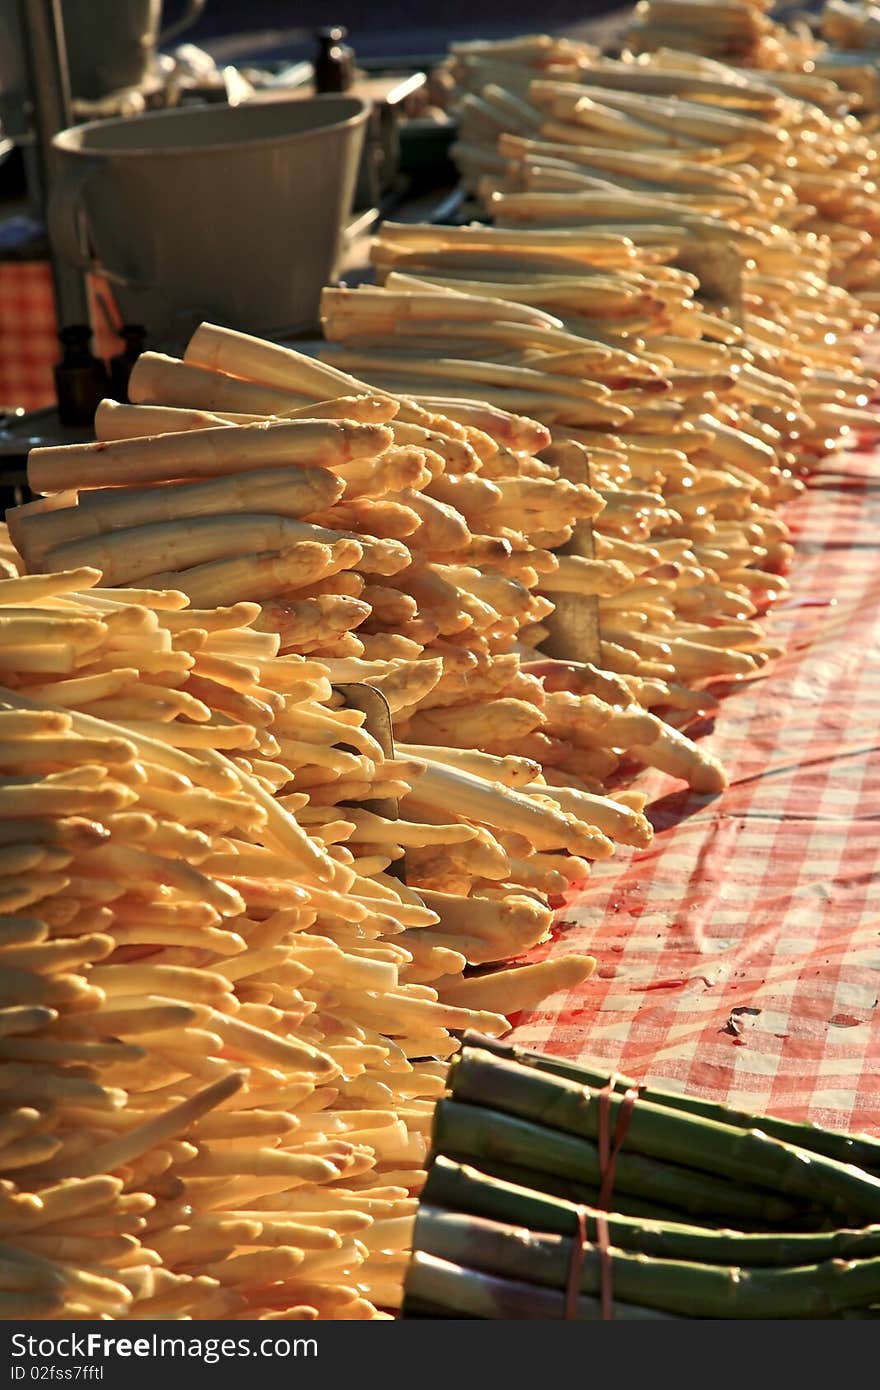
[41, 506]
[618, 822]
[264, 574]
[138, 551]
[455, 792]
[283, 492]
[116, 421]
[157, 379]
[224, 350]
[591, 247]
[412, 363]
[388, 306]
[204, 453]
[519, 988]
[510, 771]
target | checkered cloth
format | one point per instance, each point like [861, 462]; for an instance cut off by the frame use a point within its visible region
[28, 335]
[739, 955]
[29, 346]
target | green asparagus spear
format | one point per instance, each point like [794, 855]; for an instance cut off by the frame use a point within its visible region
[625, 1204]
[657, 1132]
[578, 1193]
[443, 1288]
[464, 1189]
[859, 1149]
[473, 1132]
[671, 1286]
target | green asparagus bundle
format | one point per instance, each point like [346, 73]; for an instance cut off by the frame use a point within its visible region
[712, 1214]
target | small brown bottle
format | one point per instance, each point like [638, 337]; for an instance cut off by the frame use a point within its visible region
[333, 61]
[81, 378]
[134, 335]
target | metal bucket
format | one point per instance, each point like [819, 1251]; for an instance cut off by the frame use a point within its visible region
[234, 214]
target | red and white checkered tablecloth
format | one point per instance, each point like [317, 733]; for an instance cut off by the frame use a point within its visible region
[29, 346]
[28, 335]
[739, 955]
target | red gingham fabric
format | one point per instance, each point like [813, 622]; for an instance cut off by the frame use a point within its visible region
[739, 955]
[28, 335]
[29, 346]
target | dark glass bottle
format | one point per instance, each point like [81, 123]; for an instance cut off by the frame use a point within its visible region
[134, 335]
[81, 378]
[334, 61]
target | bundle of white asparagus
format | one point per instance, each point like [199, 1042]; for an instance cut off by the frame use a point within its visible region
[779, 154]
[733, 31]
[833, 157]
[692, 405]
[853, 24]
[443, 611]
[488, 837]
[217, 999]
[687, 533]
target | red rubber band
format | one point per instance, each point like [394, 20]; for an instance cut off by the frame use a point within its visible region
[576, 1263]
[608, 1153]
[603, 1136]
[604, 1245]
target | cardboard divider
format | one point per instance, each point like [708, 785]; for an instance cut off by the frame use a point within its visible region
[719, 269]
[573, 628]
[378, 724]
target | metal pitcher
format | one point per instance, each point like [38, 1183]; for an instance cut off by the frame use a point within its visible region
[111, 44]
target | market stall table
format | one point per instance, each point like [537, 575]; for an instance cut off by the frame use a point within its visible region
[739, 955]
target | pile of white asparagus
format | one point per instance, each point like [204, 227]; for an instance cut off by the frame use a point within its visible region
[201, 909]
[773, 164]
[846, 49]
[437, 553]
[694, 400]
[735, 31]
[838, 41]
[688, 474]
[851, 24]
[829, 158]
[214, 989]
